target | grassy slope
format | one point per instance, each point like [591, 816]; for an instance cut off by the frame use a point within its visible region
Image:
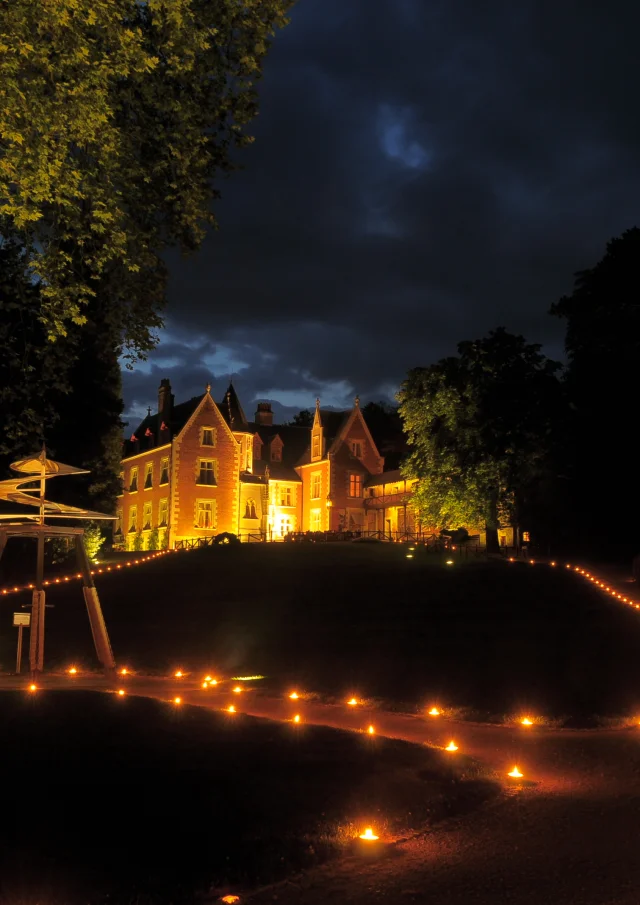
[150, 803]
[341, 618]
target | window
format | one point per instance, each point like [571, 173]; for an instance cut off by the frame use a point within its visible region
[284, 526]
[372, 491]
[355, 485]
[316, 479]
[208, 436]
[148, 475]
[163, 513]
[315, 450]
[164, 470]
[118, 525]
[133, 480]
[276, 452]
[205, 514]
[147, 515]
[133, 519]
[316, 520]
[356, 449]
[250, 509]
[207, 472]
[285, 496]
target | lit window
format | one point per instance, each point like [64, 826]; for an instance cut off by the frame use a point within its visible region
[356, 449]
[355, 485]
[163, 513]
[133, 480]
[208, 436]
[315, 454]
[205, 514]
[526, 538]
[316, 520]
[133, 519]
[164, 471]
[148, 475]
[250, 509]
[316, 479]
[285, 496]
[207, 472]
[146, 517]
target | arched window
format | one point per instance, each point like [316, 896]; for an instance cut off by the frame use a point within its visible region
[250, 509]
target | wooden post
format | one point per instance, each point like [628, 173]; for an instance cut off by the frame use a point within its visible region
[94, 610]
[38, 609]
[19, 651]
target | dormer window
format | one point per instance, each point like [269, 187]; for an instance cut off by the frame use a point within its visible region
[356, 449]
[276, 450]
[315, 447]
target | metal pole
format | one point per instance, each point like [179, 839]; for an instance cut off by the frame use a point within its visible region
[36, 639]
[19, 652]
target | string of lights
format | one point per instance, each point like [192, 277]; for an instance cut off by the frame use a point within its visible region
[602, 585]
[61, 579]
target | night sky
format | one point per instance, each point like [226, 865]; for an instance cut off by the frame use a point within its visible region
[423, 171]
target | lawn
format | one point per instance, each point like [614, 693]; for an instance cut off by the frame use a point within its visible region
[489, 637]
[125, 800]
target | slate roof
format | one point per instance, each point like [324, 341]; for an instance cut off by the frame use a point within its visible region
[232, 411]
[180, 414]
[296, 442]
[387, 477]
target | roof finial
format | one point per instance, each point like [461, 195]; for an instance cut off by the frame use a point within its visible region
[208, 388]
[357, 402]
[317, 402]
[148, 411]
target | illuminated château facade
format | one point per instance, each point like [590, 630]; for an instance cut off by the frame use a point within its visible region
[200, 468]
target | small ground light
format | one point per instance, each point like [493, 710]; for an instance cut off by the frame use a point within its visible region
[230, 900]
[369, 835]
[231, 709]
[33, 687]
[72, 671]
[451, 746]
[178, 674]
[352, 702]
[371, 730]
[409, 555]
[434, 712]
[526, 721]
[449, 562]
[516, 774]
[294, 696]
[121, 693]
[296, 718]
[237, 689]
[177, 700]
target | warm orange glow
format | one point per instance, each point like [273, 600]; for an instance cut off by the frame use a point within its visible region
[369, 835]
[123, 672]
[511, 559]
[205, 684]
[526, 721]
[237, 689]
[121, 693]
[552, 564]
[451, 746]
[434, 712]
[371, 730]
[213, 682]
[231, 709]
[177, 700]
[352, 702]
[449, 562]
[532, 562]
[72, 671]
[178, 675]
[296, 718]
[33, 687]
[207, 679]
[516, 774]
[230, 899]
[294, 696]
[409, 555]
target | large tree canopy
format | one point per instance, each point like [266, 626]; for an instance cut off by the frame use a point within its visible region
[603, 348]
[480, 429]
[115, 118]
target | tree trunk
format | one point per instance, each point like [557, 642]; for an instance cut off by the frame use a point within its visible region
[491, 529]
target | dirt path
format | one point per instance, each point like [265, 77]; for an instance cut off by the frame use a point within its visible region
[568, 838]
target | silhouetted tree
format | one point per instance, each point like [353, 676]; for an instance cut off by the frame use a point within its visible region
[303, 418]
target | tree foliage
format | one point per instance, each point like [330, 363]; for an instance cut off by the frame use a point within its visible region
[304, 418]
[116, 117]
[480, 428]
[603, 348]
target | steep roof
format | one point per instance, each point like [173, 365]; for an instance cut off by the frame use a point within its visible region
[179, 416]
[332, 423]
[295, 442]
[387, 477]
[232, 411]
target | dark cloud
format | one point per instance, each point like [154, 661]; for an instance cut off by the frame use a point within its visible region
[424, 170]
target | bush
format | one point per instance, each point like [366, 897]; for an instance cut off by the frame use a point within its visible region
[138, 542]
[153, 541]
[93, 541]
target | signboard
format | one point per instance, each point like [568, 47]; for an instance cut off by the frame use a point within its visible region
[22, 618]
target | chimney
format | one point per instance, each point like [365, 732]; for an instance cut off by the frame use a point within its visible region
[264, 415]
[165, 401]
